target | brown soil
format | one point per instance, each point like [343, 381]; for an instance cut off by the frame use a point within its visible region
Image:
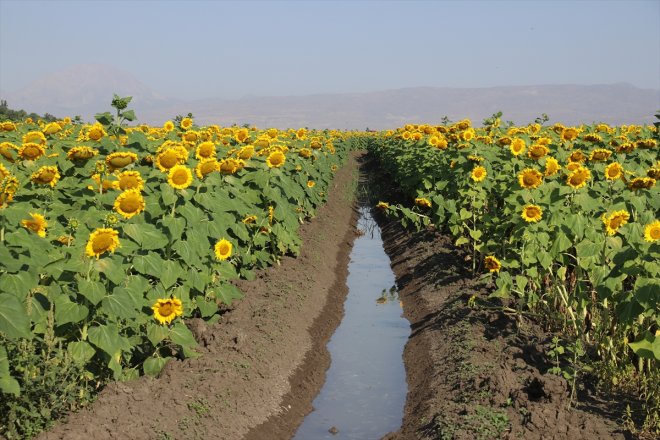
[474, 373]
[265, 358]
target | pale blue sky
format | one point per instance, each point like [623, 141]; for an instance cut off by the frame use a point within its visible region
[210, 48]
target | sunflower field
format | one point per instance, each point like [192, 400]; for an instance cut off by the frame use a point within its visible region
[110, 235]
[564, 219]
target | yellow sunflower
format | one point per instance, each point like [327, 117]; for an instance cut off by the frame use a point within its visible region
[492, 263]
[532, 213]
[186, 123]
[206, 166]
[222, 249]
[168, 126]
[242, 135]
[517, 146]
[8, 151]
[552, 167]
[180, 177]
[250, 219]
[246, 152]
[530, 178]
[31, 151]
[46, 175]
[537, 151]
[81, 153]
[275, 159]
[96, 132]
[615, 220]
[652, 231]
[129, 203]
[600, 155]
[383, 205]
[130, 180]
[120, 159]
[423, 202]
[641, 183]
[36, 137]
[102, 240]
[311, 184]
[613, 171]
[305, 152]
[569, 134]
[165, 310]
[52, 128]
[301, 134]
[578, 178]
[478, 174]
[205, 150]
[37, 224]
[229, 166]
[171, 156]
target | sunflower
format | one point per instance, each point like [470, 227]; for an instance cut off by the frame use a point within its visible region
[206, 166]
[652, 231]
[517, 146]
[168, 126]
[569, 134]
[439, 142]
[96, 132]
[578, 178]
[552, 166]
[467, 135]
[130, 180]
[165, 310]
[478, 174]
[250, 219]
[205, 150]
[532, 213]
[641, 183]
[129, 203]
[423, 202]
[46, 175]
[383, 205]
[52, 128]
[229, 166]
[36, 224]
[4, 172]
[180, 177]
[120, 159]
[31, 151]
[102, 240]
[654, 172]
[271, 214]
[530, 178]
[492, 263]
[600, 155]
[537, 151]
[305, 152]
[613, 171]
[577, 156]
[301, 134]
[275, 159]
[8, 150]
[186, 123]
[190, 137]
[171, 156]
[246, 152]
[310, 184]
[615, 220]
[81, 153]
[36, 137]
[222, 249]
[242, 135]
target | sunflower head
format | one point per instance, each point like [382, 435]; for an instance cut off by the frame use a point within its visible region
[641, 183]
[423, 202]
[36, 223]
[517, 146]
[102, 240]
[275, 159]
[222, 249]
[615, 220]
[578, 178]
[186, 123]
[129, 203]
[206, 166]
[532, 213]
[600, 155]
[311, 184]
[81, 153]
[46, 175]
[180, 177]
[537, 151]
[552, 167]
[130, 180]
[383, 205]
[492, 264]
[305, 152]
[478, 174]
[652, 231]
[31, 151]
[171, 156]
[530, 178]
[165, 310]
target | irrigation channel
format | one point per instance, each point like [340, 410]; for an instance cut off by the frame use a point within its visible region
[365, 389]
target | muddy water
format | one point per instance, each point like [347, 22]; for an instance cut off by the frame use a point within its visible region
[365, 388]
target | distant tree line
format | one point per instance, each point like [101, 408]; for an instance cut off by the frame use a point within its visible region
[7, 113]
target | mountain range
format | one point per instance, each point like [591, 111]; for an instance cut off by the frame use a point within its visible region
[87, 89]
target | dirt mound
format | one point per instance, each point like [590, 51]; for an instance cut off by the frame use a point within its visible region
[476, 374]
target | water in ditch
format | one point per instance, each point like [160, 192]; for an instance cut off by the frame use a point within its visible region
[365, 388]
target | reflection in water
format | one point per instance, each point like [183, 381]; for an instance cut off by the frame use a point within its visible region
[365, 388]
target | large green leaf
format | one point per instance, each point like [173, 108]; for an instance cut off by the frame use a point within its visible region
[14, 320]
[154, 365]
[150, 264]
[146, 235]
[67, 311]
[107, 338]
[18, 284]
[647, 347]
[171, 273]
[121, 304]
[80, 351]
[8, 384]
[93, 291]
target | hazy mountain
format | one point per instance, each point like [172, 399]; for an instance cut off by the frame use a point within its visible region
[85, 90]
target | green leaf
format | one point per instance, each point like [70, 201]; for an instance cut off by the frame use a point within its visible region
[157, 332]
[171, 273]
[107, 338]
[227, 293]
[647, 347]
[67, 311]
[121, 304]
[146, 235]
[175, 227]
[80, 351]
[475, 234]
[150, 264]
[18, 284]
[8, 384]
[93, 291]
[180, 334]
[154, 365]
[112, 268]
[14, 321]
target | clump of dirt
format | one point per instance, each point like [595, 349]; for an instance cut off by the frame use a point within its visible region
[265, 358]
[475, 373]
